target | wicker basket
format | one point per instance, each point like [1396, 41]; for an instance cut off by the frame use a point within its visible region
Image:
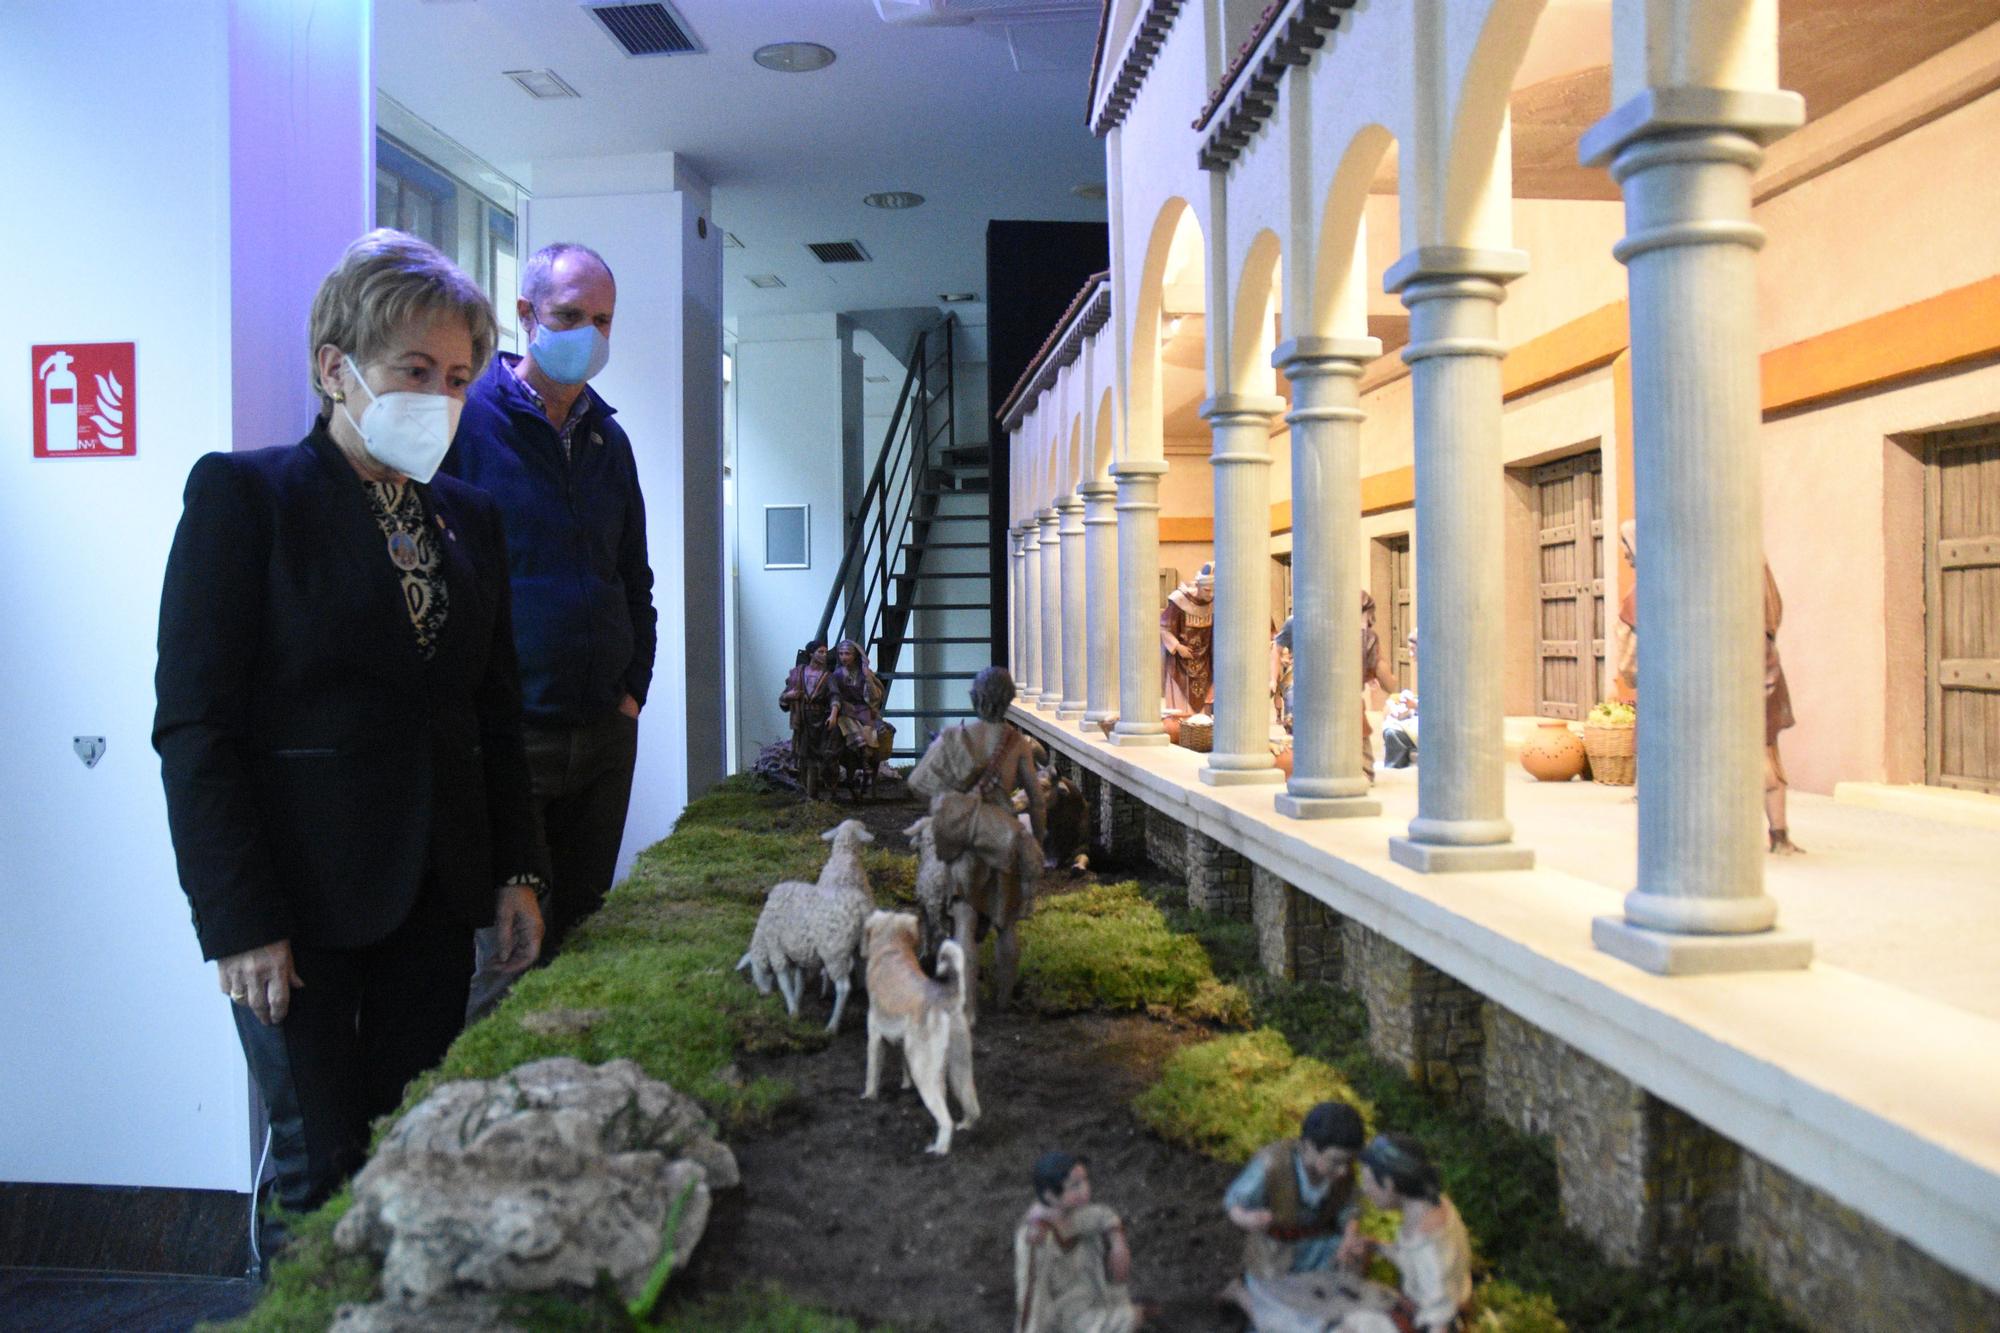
[1197, 735]
[1613, 753]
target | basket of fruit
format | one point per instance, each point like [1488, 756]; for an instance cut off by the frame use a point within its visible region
[1610, 736]
[1198, 733]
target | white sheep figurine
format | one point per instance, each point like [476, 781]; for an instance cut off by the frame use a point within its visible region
[806, 925]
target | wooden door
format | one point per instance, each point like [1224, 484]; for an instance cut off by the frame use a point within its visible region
[1569, 635]
[1401, 619]
[1962, 608]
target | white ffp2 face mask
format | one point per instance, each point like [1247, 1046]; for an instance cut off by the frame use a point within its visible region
[408, 433]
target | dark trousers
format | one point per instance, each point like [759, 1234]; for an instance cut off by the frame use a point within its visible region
[364, 1024]
[583, 785]
[1398, 750]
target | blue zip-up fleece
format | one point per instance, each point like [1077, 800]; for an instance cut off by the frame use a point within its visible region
[584, 621]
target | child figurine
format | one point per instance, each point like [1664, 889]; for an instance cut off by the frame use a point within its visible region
[1295, 1203]
[1071, 1263]
[1431, 1252]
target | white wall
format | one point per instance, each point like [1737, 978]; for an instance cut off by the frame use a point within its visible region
[796, 395]
[121, 1064]
[646, 217]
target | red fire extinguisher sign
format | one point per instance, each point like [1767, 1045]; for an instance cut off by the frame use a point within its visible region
[86, 400]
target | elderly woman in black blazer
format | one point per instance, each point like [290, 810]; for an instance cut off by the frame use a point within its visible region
[339, 720]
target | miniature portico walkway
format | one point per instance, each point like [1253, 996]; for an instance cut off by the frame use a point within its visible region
[1873, 1075]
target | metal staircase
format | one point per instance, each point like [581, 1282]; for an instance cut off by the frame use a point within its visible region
[914, 584]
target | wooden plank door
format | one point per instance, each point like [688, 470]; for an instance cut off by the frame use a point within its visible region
[1569, 641]
[1402, 609]
[1962, 608]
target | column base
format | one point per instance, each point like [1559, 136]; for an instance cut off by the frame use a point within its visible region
[1669, 955]
[1069, 712]
[1240, 777]
[1120, 736]
[1327, 807]
[1444, 858]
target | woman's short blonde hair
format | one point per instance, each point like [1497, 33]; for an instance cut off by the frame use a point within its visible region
[384, 280]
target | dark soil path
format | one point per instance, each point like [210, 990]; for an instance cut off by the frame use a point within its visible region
[841, 1205]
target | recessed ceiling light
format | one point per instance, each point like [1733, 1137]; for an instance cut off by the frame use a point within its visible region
[793, 57]
[893, 199]
[1088, 190]
[956, 298]
[543, 83]
[766, 280]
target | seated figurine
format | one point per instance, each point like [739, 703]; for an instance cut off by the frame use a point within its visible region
[1431, 1252]
[1295, 1202]
[1399, 730]
[1071, 1263]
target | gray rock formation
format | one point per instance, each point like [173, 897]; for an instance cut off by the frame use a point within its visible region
[535, 1181]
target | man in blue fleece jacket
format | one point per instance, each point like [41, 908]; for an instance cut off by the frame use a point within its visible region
[542, 443]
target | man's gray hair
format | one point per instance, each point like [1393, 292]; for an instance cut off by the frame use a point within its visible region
[540, 268]
[992, 692]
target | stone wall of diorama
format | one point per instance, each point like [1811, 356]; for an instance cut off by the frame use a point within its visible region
[1298, 936]
[1834, 1269]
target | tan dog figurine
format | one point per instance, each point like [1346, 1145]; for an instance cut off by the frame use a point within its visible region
[926, 1016]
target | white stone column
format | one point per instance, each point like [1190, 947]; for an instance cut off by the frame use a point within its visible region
[1241, 458]
[1685, 158]
[1100, 557]
[1049, 695]
[1029, 687]
[1326, 417]
[1454, 352]
[1017, 607]
[1076, 641]
[1139, 685]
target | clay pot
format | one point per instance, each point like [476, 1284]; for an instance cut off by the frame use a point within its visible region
[1172, 722]
[1554, 753]
[1284, 761]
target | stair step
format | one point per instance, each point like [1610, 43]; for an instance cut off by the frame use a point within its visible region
[965, 453]
[946, 606]
[982, 574]
[939, 492]
[947, 546]
[939, 638]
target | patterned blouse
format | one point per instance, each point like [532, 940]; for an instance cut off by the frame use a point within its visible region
[413, 548]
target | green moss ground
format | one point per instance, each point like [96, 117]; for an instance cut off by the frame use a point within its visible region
[656, 970]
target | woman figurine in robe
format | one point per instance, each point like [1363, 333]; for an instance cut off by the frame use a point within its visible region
[1071, 1262]
[1187, 644]
[970, 775]
[858, 695]
[1431, 1252]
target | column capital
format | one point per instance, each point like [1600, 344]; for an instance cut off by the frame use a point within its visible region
[1234, 408]
[1447, 263]
[1295, 354]
[1760, 115]
[1135, 468]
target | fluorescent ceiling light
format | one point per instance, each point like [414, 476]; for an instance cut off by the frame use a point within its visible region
[893, 199]
[545, 84]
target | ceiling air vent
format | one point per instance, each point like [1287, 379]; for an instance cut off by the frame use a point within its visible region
[646, 30]
[543, 84]
[838, 252]
[766, 280]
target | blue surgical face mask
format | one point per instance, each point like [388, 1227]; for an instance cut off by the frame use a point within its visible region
[570, 356]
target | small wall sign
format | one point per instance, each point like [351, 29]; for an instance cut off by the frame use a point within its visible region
[86, 400]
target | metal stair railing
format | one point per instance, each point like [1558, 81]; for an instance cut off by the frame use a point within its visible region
[874, 588]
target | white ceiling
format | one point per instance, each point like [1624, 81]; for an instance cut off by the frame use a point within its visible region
[942, 111]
